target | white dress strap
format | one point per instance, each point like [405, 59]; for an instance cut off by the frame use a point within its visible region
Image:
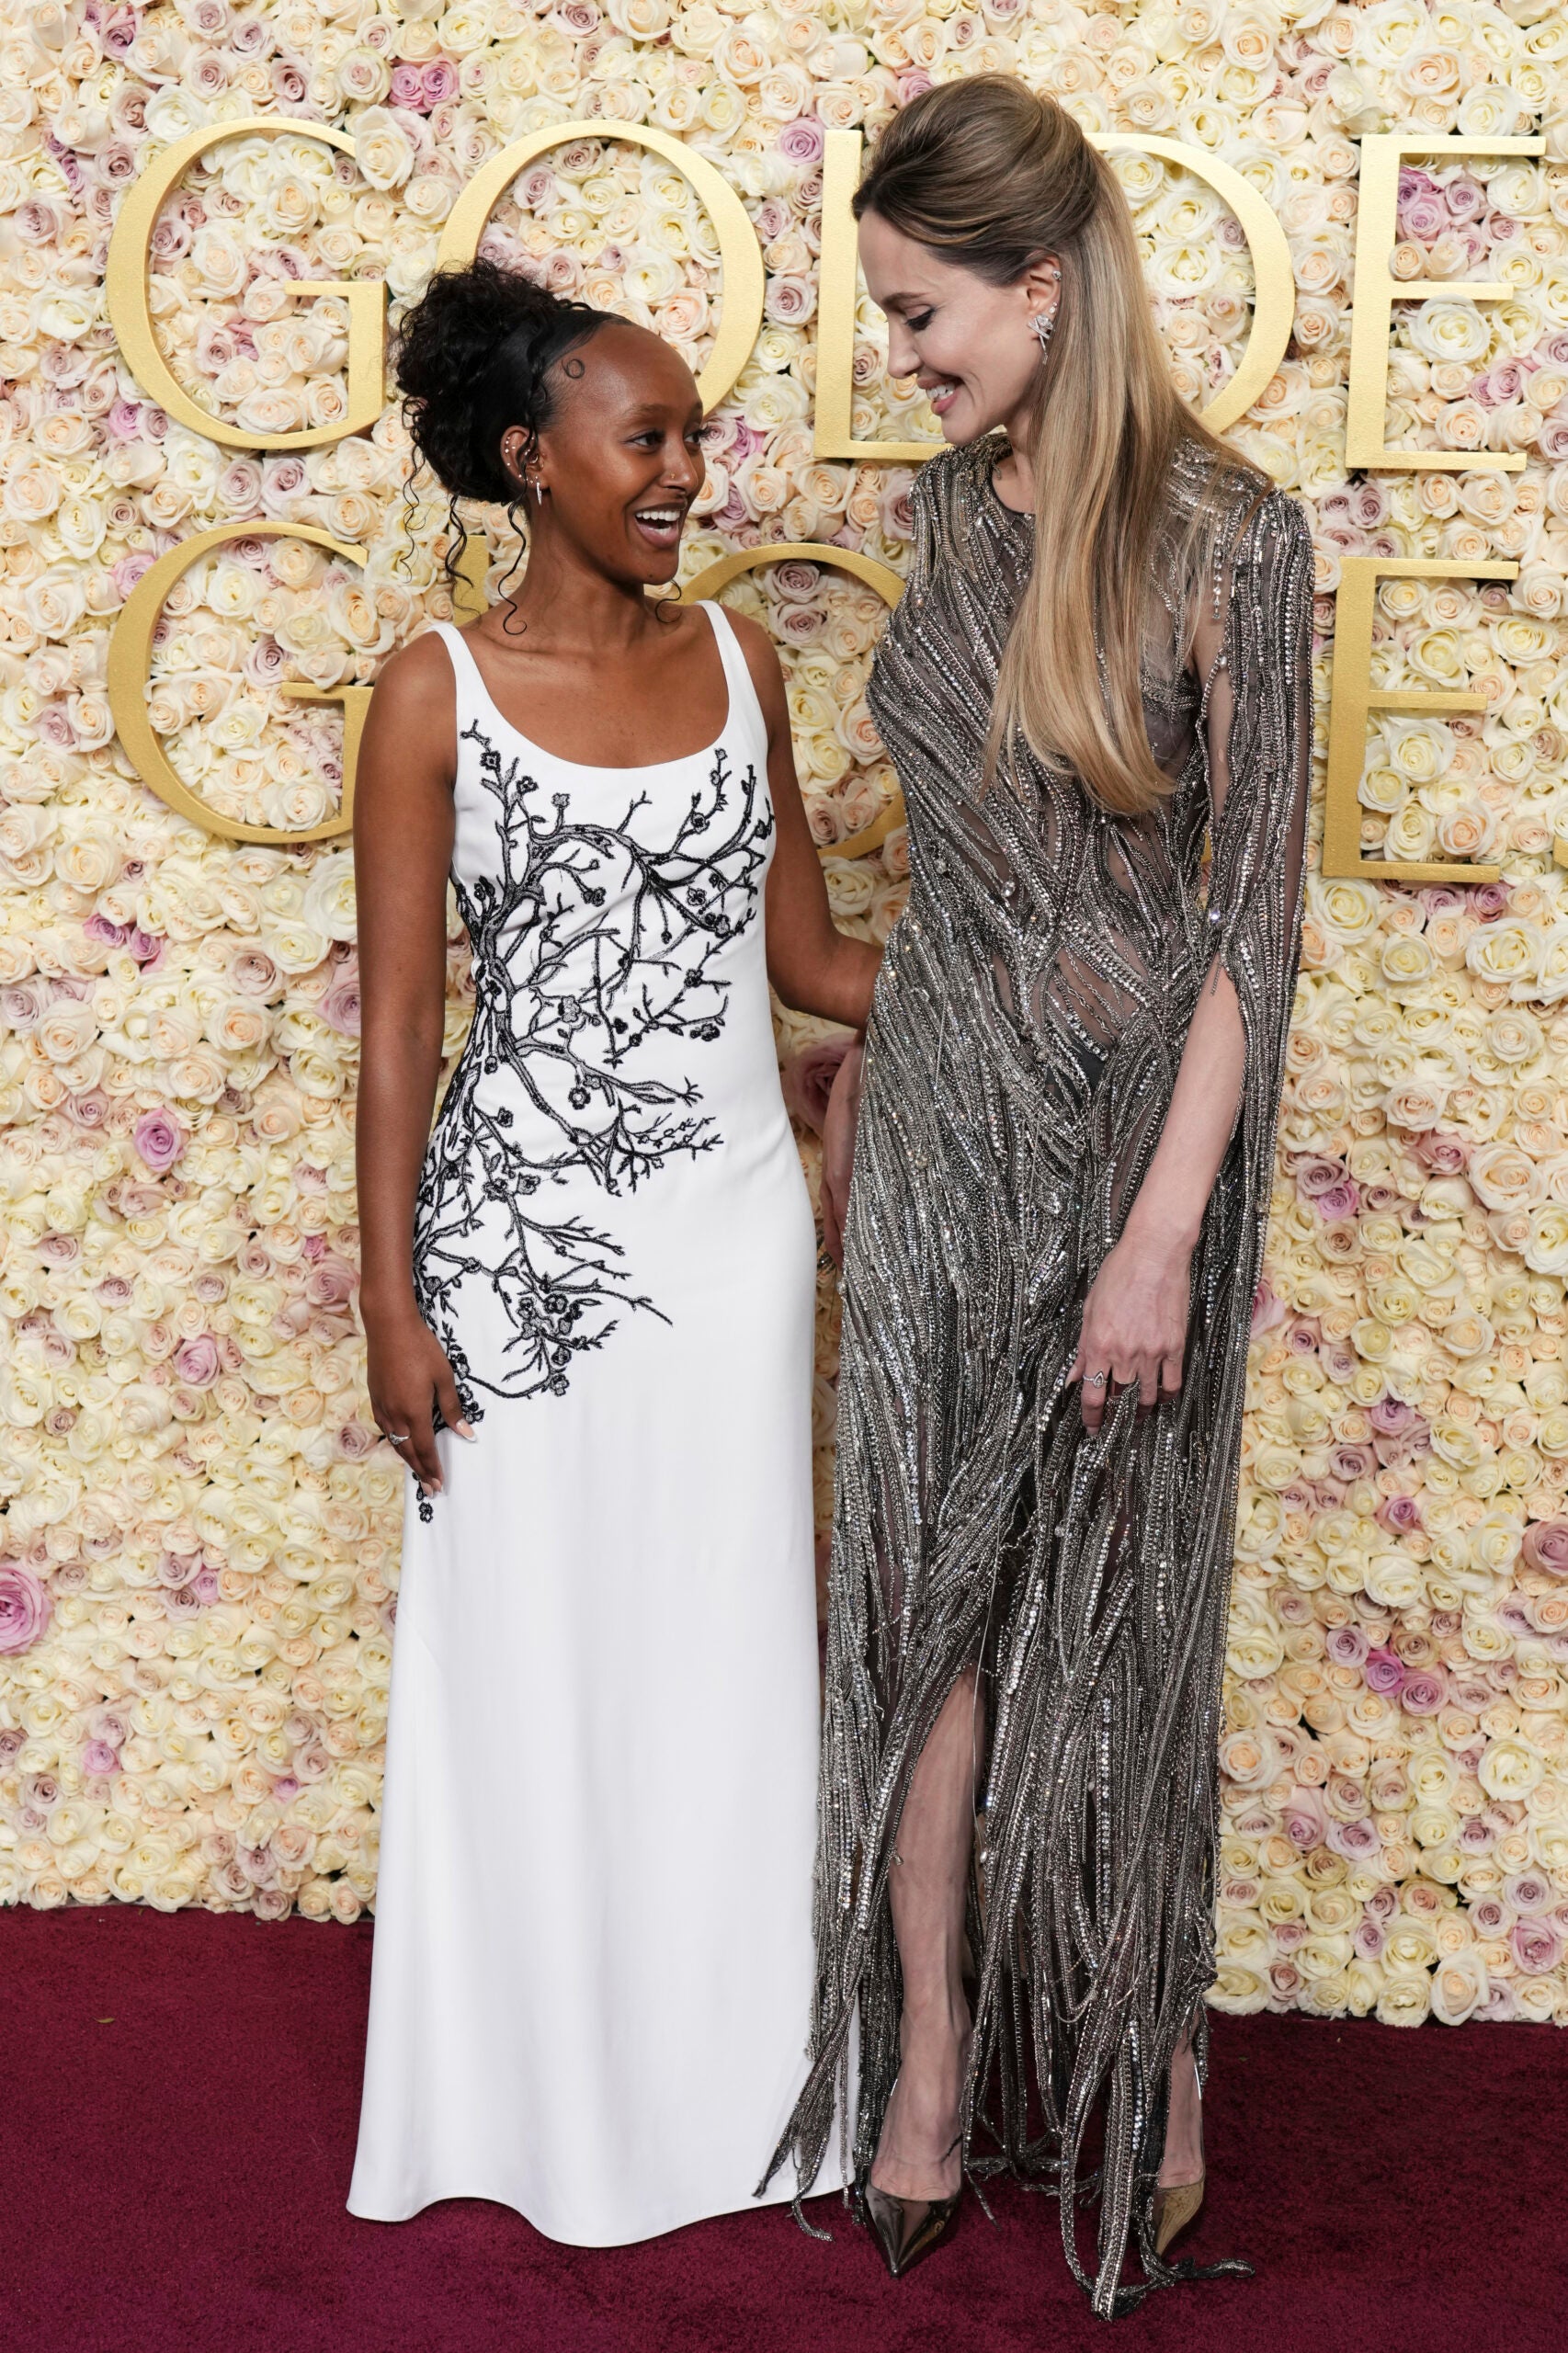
[465, 669]
[744, 704]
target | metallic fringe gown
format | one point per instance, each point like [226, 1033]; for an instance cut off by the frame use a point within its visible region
[1024, 1041]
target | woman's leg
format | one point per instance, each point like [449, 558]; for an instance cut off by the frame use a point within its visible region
[1183, 2158]
[927, 1885]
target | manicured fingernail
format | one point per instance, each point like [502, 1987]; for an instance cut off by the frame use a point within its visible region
[465, 1429]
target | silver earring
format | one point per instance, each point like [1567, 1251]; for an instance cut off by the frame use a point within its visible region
[1042, 322]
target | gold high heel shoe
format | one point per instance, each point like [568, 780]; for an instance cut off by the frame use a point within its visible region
[1175, 2207]
[1176, 2204]
[909, 2229]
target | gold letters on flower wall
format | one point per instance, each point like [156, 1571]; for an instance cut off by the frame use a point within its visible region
[1355, 692]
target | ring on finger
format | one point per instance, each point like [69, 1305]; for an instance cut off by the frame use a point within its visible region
[1096, 1381]
[395, 1438]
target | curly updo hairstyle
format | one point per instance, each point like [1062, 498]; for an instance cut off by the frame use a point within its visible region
[475, 355]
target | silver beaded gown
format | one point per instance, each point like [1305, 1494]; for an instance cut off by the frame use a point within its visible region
[1024, 1040]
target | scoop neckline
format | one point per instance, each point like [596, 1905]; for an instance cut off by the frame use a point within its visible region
[600, 768]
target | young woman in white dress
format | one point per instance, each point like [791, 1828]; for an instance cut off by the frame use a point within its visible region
[588, 1297]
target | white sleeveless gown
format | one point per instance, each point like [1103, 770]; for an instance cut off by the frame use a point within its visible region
[592, 1974]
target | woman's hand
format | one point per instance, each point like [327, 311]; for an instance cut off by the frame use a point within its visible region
[408, 1376]
[1134, 1331]
[838, 1149]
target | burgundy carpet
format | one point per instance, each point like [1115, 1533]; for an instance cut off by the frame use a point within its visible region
[180, 2098]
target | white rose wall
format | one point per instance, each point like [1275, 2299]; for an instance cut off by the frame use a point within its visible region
[201, 1540]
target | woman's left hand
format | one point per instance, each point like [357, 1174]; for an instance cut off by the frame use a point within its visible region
[1135, 1329]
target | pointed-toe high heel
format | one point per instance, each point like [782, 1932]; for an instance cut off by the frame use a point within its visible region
[1174, 2208]
[1176, 2204]
[909, 2229]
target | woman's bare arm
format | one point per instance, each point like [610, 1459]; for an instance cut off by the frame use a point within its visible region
[404, 821]
[815, 967]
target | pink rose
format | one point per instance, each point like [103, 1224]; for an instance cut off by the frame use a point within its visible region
[1355, 1840]
[1537, 1947]
[1546, 1547]
[330, 1281]
[808, 1079]
[802, 142]
[160, 1139]
[197, 1362]
[339, 1008]
[1530, 1893]
[25, 1608]
[1305, 1819]
[1369, 505]
[1424, 1691]
[283, 480]
[1315, 1174]
[99, 1759]
[1399, 1513]
[1347, 1646]
[1384, 1672]
[1424, 217]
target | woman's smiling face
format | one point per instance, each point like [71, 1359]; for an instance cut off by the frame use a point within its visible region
[967, 341]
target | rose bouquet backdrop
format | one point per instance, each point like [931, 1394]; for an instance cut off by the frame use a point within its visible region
[200, 1527]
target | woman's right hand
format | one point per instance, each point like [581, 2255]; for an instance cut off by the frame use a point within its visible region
[408, 1376]
[838, 1149]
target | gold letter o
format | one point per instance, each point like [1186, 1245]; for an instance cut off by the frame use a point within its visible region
[1274, 284]
[740, 256]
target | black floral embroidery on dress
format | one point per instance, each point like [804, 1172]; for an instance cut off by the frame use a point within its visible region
[565, 996]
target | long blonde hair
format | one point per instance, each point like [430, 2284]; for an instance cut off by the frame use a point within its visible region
[992, 176]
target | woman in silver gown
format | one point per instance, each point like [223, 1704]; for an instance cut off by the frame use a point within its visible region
[1100, 713]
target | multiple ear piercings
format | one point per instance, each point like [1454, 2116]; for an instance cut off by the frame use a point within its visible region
[515, 458]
